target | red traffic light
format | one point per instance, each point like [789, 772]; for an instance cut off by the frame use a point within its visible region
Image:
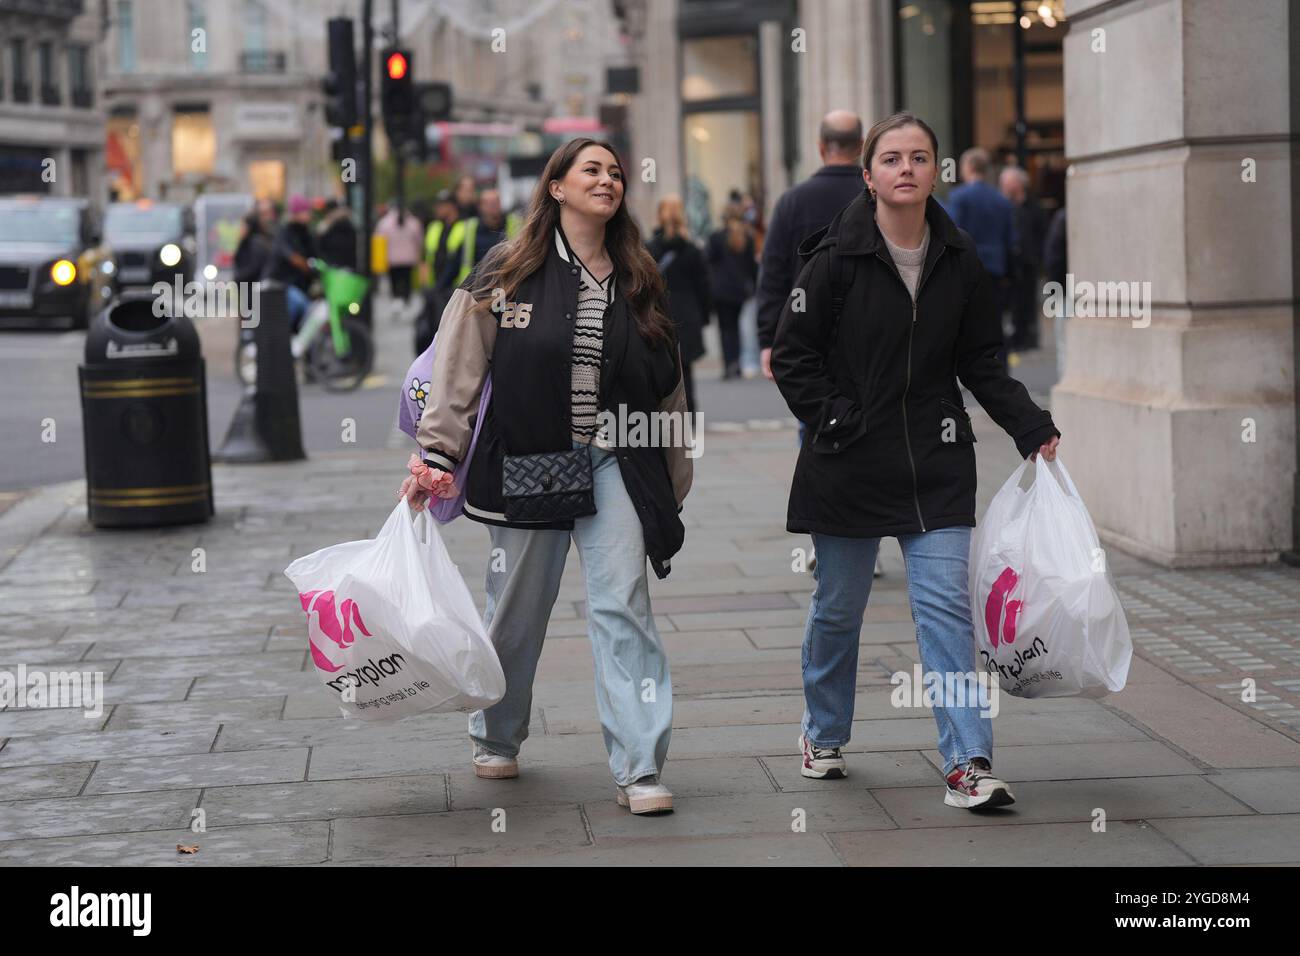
[396, 65]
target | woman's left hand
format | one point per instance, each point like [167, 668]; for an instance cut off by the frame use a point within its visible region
[1048, 449]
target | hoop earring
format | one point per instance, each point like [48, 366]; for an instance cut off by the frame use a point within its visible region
[560, 200]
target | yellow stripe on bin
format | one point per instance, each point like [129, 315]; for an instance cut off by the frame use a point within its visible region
[140, 393]
[161, 490]
[138, 382]
[147, 502]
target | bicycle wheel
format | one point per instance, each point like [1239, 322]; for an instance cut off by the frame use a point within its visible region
[342, 373]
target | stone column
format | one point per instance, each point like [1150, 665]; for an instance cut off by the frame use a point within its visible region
[655, 114]
[848, 65]
[1179, 427]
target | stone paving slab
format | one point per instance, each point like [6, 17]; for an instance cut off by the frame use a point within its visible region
[217, 710]
[1209, 730]
[1268, 791]
[114, 813]
[808, 849]
[176, 771]
[286, 844]
[50, 780]
[1043, 844]
[1053, 801]
[62, 748]
[1239, 840]
[324, 800]
[25, 723]
[458, 831]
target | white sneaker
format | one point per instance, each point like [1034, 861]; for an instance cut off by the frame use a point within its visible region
[821, 762]
[494, 766]
[879, 571]
[647, 795]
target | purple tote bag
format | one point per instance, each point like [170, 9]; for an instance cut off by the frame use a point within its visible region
[415, 390]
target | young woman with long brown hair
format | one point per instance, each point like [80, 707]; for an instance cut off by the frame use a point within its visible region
[570, 319]
[898, 308]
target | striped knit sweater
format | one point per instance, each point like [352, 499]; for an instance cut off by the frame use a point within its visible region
[588, 346]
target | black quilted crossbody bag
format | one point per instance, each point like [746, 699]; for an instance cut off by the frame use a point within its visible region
[552, 486]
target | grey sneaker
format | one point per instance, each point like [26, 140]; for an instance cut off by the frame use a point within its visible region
[494, 766]
[646, 795]
[973, 786]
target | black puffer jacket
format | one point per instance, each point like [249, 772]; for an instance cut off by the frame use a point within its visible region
[889, 448]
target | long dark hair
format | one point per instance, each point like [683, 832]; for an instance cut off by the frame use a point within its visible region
[510, 263]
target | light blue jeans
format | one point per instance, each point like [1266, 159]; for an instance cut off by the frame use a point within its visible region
[634, 693]
[936, 588]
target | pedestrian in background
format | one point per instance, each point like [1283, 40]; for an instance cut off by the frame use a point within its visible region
[891, 453]
[580, 285]
[801, 211]
[466, 196]
[733, 272]
[473, 237]
[336, 236]
[1030, 230]
[437, 237]
[687, 278]
[405, 237]
[253, 253]
[290, 261]
[984, 213]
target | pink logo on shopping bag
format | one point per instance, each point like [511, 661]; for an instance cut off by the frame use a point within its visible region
[336, 625]
[995, 605]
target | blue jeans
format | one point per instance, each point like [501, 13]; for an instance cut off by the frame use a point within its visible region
[936, 588]
[299, 303]
[634, 693]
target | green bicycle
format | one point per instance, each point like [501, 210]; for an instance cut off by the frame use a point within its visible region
[333, 345]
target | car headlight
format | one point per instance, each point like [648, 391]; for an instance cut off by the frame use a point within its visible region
[108, 267]
[63, 272]
[170, 254]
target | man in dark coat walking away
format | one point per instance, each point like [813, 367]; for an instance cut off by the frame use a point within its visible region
[982, 211]
[801, 211]
[1030, 230]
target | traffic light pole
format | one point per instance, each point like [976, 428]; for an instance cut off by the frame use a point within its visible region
[399, 159]
[367, 149]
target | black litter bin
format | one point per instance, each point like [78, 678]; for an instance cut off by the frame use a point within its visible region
[145, 419]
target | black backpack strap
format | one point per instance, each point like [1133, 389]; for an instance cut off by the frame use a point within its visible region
[841, 271]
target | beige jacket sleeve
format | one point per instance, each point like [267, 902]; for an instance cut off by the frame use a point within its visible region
[466, 334]
[681, 468]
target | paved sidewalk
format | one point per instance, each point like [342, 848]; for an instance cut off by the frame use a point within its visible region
[211, 704]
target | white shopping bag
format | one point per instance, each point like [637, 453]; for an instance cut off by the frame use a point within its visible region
[1048, 622]
[392, 627]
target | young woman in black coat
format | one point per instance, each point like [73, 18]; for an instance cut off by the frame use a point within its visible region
[890, 444]
[687, 277]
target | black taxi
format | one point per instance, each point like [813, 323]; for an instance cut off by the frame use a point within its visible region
[52, 262]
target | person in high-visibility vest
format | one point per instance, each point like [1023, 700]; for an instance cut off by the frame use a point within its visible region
[475, 236]
[437, 238]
